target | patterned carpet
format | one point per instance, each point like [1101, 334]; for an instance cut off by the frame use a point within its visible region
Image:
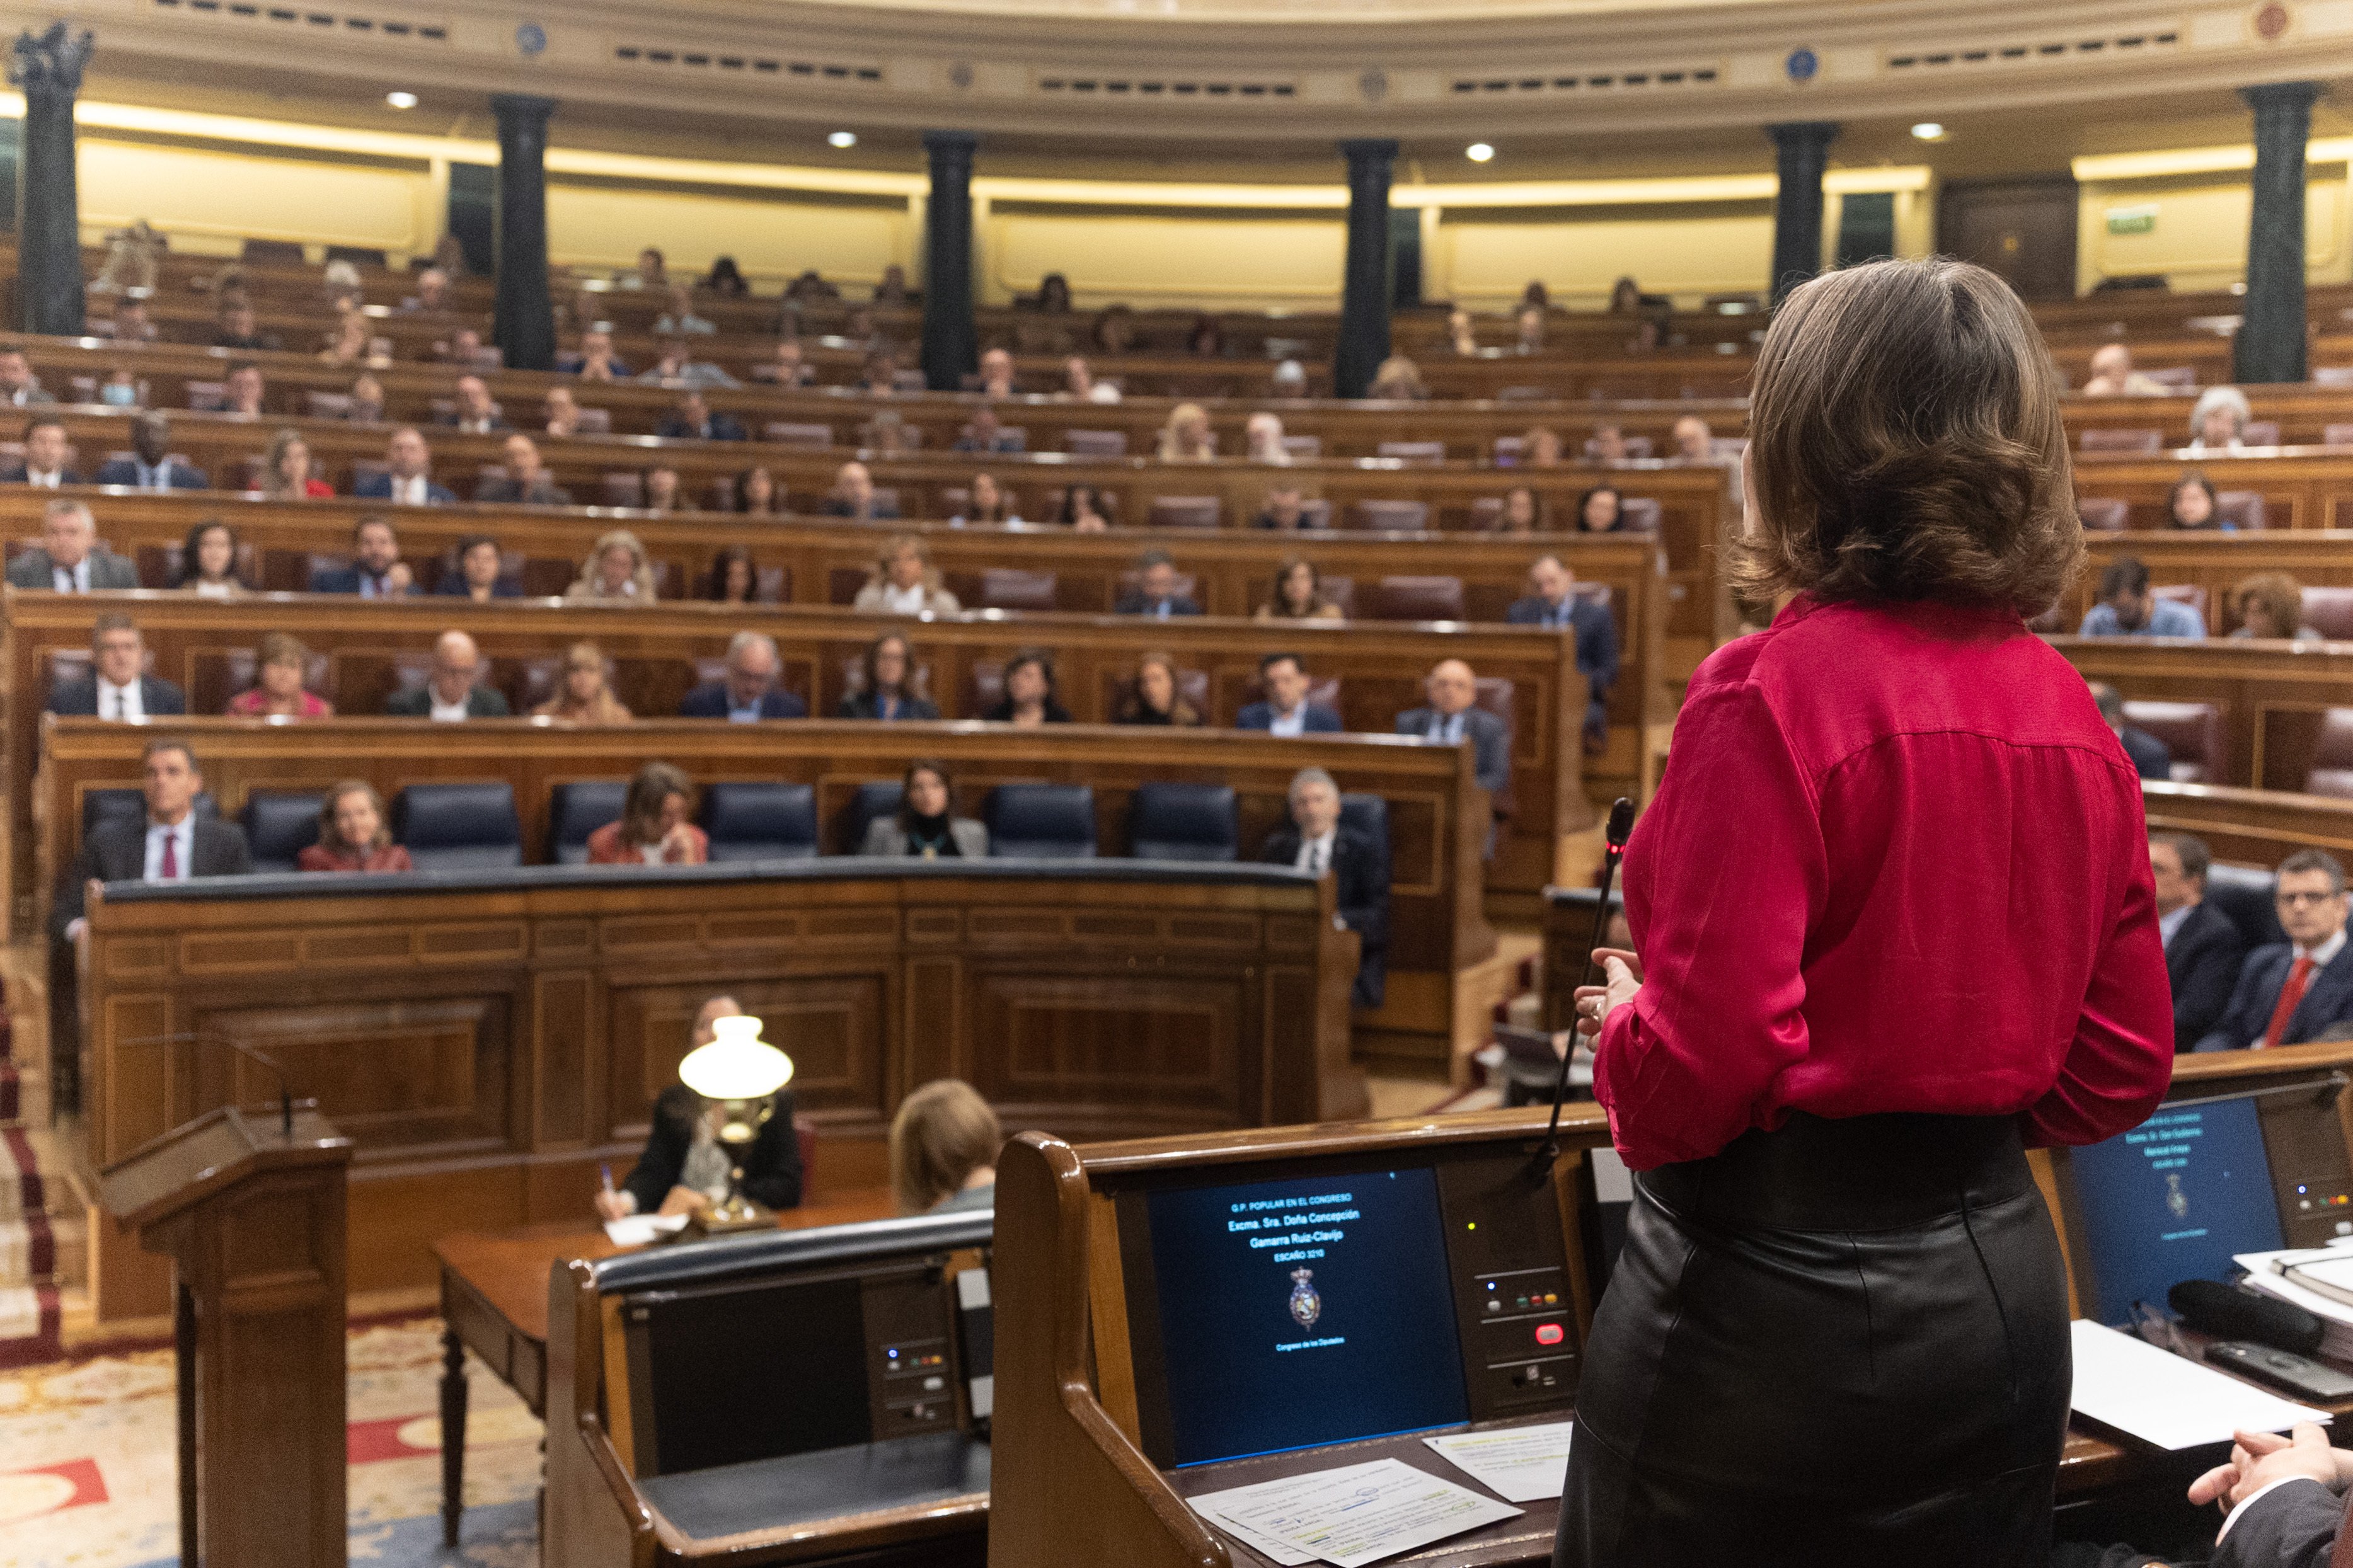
[28, 1249]
[87, 1475]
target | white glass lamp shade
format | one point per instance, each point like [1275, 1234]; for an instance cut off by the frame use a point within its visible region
[737, 1064]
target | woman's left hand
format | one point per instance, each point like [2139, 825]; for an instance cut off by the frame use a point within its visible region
[678, 845]
[1622, 982]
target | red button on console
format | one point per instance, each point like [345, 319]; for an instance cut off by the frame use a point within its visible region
[1548, 1333]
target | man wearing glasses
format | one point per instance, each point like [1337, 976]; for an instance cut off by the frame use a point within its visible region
[2294, 991]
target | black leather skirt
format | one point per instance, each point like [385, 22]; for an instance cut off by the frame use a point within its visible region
[1838, 1343]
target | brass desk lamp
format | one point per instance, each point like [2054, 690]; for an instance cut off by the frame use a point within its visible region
[740, 1073]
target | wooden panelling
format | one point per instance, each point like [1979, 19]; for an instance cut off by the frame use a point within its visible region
[2272, 694]
[1155, 1021]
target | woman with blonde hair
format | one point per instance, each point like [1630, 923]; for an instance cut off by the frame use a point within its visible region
[616, 572]
[1185, 438]
[1263, 433]
[286, 471]
[584, 693]
[902, 582]
[352, 834]
[1399, 380]
[653, 829]
[943, 1145]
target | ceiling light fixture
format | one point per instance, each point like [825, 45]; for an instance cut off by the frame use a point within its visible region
[1928, 131]
[401, 99]
[1478, 151]
[844, 139]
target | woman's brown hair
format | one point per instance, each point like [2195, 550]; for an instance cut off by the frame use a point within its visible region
[641, 808]
[1181, 713]
[2276, 595]
[334, 798]
[1905, 444]
[943, 1133]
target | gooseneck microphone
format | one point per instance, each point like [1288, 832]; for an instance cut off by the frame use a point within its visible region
[1621, 824]
[285, 1098]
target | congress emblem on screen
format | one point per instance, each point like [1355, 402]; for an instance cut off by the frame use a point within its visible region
[1306, 1305]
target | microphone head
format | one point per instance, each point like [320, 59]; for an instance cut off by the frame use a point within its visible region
[1621, 822]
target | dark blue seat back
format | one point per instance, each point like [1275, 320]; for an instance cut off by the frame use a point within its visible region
[760, 821]
[468, 826]
[1168, 821]
[879, 798]
[2244, 893]
[278, 825]
[1041, 821]
[105, 805]
[576, 810]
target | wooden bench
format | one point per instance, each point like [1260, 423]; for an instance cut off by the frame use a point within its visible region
[2270, 695]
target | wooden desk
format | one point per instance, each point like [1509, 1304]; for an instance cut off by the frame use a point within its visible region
[494, 1303]
[487, 1040]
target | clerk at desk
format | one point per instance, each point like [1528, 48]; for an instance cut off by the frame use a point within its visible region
[685, 1167]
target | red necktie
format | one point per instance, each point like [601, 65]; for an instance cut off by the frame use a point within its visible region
[171, 872]
[2291, 993]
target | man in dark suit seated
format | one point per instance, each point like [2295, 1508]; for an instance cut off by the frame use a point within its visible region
[1449, 715]
[2203, 949]
[168, 842]
[69, 559]
[749, 693]
[46, 448]
[152, 466]
[692, 420]
[376, 571]
[684, 1168]
[240, 329]
[527, 480]
[1555, 604]
[475, 413]
[1286, 710]
[1316, 841]
[2291, 992]
[2287, 1502]
[409, 478]
[1155, 592]
[19, 387]
[853, 496]
[117, 686]
[452, 692]
[2149, 756]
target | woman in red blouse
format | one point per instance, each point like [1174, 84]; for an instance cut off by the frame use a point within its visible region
[351, 835]
[1895, 922]
[653, 829]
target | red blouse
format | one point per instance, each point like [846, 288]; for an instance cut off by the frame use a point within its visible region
[318, 858]
[1896, 863]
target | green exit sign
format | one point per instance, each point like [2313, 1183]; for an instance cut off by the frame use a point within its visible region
[2131, 220]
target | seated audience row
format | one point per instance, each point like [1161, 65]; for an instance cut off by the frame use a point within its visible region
[2266, 604]
[2234, 988]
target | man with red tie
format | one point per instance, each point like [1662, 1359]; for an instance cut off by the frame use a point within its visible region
[172, 840]
[2294, 991]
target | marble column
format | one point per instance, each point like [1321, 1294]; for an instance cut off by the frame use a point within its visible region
[951, 339]
[2271, 344]
[1365, 281]
[47, 68]
[1802, 152]
[524, 322]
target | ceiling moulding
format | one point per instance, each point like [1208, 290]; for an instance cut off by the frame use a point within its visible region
[1125, 72]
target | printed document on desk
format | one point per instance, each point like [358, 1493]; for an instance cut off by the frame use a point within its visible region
[1360, 1514]
[2168, 1400]
[1525, 1464]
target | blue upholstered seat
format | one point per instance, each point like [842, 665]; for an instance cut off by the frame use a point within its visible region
[574, 811]
[1041, 821]
[749, 821]
[278, 825]
[458, 826]
[1168, 821]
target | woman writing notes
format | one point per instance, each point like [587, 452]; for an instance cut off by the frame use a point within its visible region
[1895, 924]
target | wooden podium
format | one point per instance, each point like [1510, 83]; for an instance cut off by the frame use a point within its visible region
[252, 1218]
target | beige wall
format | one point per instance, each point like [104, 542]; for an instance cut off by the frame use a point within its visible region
[2199, 238]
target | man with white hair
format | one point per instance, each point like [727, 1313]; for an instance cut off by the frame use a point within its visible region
[748, 692]
[69, 560]
[1315, 840]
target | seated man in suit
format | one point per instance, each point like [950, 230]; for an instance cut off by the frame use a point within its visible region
[410, 480]
[853, 496]
[432, 293]
[19, 387]
[167, 843]
[2149, 756]
[475, 413]
[684, 1168]
[749, 693]
[1555, 604]
[452, 692]
[45, 446]
[692, 420]
[376, 571]
[595, 360]
[1286, 710]
[2128, 607]
[69, 559]
[244, 392]
[1449, 715]
[1316, 841]
[152, 465]
[1155, 592]
[2287, 1502]
[117, 686]
[527, 481]
[2203, 949]
[240, 328]
[2294, 991]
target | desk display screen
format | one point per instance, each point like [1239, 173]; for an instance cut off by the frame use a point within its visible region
[2172, 1200]
[1304, 1312]
[751, 1371]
